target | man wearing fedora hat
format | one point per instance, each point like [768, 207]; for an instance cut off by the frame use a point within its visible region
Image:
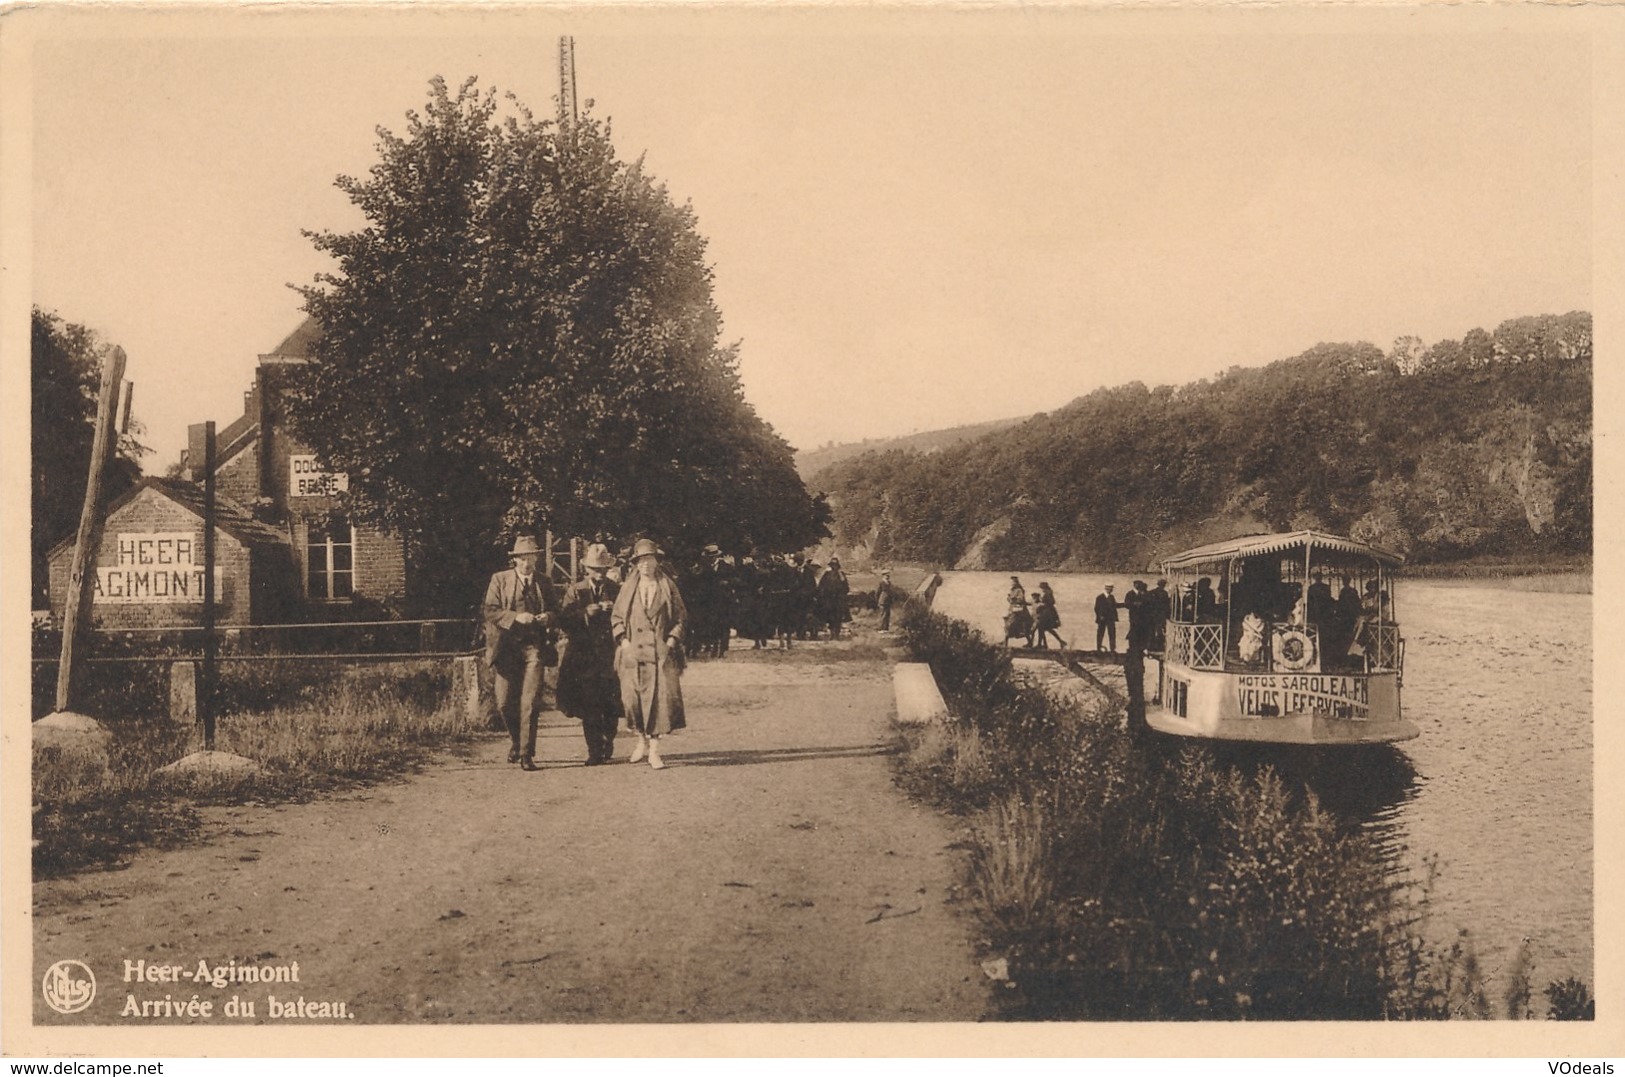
[832, 591]
[883, 599]
[588, 686]
[649, 621]
[521, 609]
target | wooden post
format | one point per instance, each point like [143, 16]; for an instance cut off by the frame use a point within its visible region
[205, 702]
[183, 693]
[87, 544]
[426, 636]
[465, 687]
[1134, 681]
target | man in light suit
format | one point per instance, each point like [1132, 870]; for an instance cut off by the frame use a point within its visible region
[521, 608]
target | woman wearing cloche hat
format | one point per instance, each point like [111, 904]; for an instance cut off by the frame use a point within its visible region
[649, 622]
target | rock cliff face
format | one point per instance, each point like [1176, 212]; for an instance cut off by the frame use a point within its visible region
[975, 558]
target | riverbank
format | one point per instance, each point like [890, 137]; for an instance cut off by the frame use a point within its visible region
[1122, 876]
[1557, 575]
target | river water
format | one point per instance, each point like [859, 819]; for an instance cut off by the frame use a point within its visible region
[1497, 788]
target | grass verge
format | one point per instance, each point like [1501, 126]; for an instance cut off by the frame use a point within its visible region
[307, 734]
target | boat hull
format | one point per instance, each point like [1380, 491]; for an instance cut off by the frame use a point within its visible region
[1277, 708]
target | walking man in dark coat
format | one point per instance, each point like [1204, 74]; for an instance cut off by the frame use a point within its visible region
[1139, 604]
[1159, 607]
[883, 599]
[1106, 619]
[589, 688]
[832, 592]
[521, 609]
[806, 599]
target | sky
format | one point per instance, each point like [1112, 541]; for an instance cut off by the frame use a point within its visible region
[915, 219]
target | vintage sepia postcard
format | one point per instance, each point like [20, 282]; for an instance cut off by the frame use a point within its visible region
[825, 530]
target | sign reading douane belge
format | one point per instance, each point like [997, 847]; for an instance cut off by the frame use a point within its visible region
[306, 478]
[1268, 695]
[158, 567]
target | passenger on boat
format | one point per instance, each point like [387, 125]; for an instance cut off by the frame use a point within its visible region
[1320, 604]
[1251, 648]
[1293, 604]
[1373, 611]
[1345, 615]
[1207, 603]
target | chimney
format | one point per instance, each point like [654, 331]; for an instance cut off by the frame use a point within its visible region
[260, 408]
[197, 439]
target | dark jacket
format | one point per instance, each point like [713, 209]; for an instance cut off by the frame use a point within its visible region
[832, 592]
[1047, 617]
[588, 684]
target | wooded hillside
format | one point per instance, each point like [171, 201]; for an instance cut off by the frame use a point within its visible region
[1469, 447]
[810, 462]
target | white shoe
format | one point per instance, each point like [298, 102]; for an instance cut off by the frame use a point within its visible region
[654, 756]
[640, 751]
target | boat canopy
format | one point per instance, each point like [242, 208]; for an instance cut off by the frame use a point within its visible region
[1256, 545]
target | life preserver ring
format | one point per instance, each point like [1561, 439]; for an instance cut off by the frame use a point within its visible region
[1292, 649]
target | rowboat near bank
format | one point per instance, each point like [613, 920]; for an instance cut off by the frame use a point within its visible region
[1281, 639]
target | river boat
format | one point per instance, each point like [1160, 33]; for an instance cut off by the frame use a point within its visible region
[1281, 639]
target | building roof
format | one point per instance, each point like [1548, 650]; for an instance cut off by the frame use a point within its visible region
[1255, 545]
[296, 345]
[244, 430]
[233, 439]
[229, 516]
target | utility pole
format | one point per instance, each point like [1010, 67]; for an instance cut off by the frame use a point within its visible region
[205, 696]
[568, 114]
[76, 610]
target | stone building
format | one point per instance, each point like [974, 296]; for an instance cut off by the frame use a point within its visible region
[284, 548]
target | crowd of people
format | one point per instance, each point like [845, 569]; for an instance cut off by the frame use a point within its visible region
[1344, 623]
[621, 634]
[769, 599]
[1034, 617]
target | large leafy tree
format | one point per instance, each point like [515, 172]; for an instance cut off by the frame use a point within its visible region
[524, 336]
[65, 372]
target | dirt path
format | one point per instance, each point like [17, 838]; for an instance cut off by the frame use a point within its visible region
[771, 873]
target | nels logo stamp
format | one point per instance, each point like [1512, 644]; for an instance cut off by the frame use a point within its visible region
[69, 986]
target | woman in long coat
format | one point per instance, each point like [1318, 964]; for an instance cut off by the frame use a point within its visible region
[649, 621]
[1046, 618]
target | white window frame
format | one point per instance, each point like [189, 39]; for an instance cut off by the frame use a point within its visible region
[327, 545]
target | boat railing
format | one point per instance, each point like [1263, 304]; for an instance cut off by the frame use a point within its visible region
[1196, 646]
[1387, 648]
[1202, 646]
